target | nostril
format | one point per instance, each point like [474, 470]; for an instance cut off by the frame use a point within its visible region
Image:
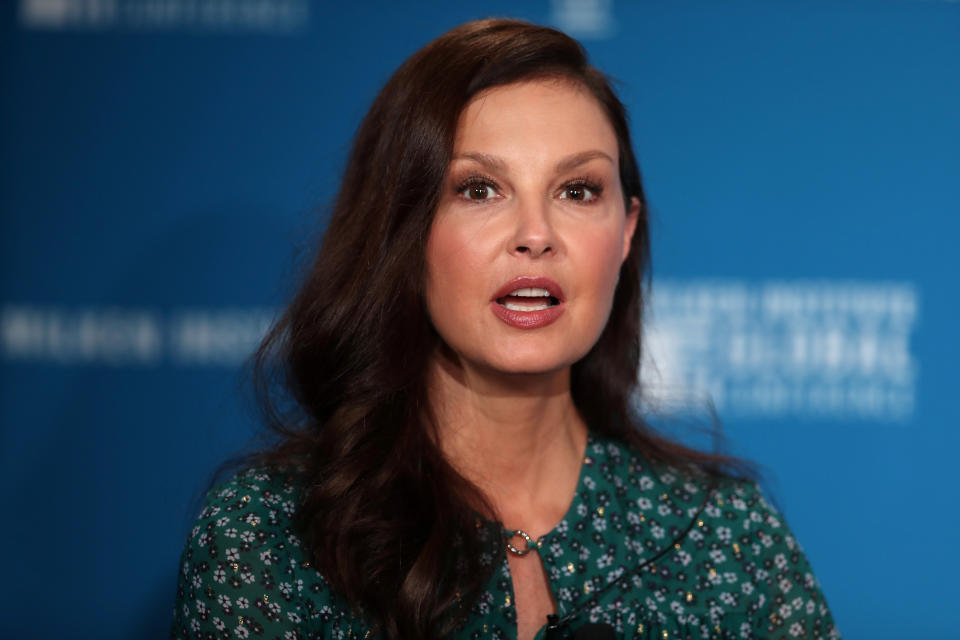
[533, 252]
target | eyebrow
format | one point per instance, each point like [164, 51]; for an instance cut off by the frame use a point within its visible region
[568, 163]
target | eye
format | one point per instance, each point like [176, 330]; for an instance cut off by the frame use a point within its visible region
[478, 189]
[581, 191]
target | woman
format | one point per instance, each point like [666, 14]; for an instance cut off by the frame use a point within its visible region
[458, 456]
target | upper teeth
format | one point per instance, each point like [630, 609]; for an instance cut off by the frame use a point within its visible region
[530, 292]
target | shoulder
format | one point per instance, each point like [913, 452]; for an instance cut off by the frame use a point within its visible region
[246, 523]
[723, 547]
[673, 493]
[244, 571]
[750, 545]
[685, 491]
[252, 497]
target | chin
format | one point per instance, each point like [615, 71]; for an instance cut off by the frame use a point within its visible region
[533, 364]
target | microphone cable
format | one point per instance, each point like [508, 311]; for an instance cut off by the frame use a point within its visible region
[601, 631]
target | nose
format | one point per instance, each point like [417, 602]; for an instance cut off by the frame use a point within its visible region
[534, 235]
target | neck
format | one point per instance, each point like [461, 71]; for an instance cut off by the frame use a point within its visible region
[518, 438]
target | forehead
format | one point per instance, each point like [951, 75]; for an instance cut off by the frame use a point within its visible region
[535, 118]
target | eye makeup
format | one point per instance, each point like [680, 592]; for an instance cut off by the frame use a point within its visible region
[582, 183]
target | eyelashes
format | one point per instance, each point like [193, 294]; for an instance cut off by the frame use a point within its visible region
[480, 188]
[479, 185]
[582, 190]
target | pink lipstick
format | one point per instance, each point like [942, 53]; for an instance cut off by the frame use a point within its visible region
[528, 302]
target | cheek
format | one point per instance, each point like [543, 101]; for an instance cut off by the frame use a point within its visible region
[452, 265]
[603, 253]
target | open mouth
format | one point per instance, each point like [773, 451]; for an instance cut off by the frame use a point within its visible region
[529, 302]
[528, 299]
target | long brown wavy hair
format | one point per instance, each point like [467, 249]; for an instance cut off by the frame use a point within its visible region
[341, 376]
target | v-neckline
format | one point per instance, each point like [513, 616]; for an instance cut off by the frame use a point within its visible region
[585, 461]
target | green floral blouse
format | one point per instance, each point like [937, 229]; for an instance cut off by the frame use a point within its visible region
[649, 551]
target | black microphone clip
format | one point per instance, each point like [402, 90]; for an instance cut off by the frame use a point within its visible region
[595, 631]
[589, 631]
[553, 628]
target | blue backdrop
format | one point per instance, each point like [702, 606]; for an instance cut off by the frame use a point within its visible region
[165, 163]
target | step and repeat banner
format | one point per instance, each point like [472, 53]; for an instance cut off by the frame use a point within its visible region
[166, 166]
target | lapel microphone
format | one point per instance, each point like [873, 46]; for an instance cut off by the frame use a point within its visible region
[595, 631]
[589, 631]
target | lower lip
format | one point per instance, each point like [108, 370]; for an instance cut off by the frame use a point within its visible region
[527, 319]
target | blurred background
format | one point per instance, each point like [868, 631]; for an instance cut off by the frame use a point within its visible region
[166, 165]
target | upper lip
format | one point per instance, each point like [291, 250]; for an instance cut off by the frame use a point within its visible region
[524, 282]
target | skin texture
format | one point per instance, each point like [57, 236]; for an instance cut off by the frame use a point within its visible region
[533, 190]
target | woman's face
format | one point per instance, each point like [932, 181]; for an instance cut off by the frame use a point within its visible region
[531, 230]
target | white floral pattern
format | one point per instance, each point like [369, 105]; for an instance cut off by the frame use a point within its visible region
[654, 553]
